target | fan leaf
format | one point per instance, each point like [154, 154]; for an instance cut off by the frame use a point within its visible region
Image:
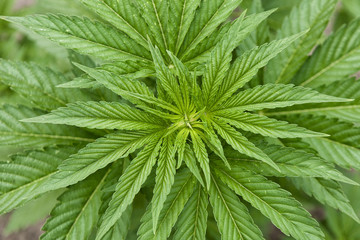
[311, 15]
[275, 203]
[324, 68]
[101, 115]
[180, 193]
[85, 36]
[17, 186]
[232, 216]
[192, 221]
[129, 185]
[14, 132]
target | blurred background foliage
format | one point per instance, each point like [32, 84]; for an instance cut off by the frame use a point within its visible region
[20, 45]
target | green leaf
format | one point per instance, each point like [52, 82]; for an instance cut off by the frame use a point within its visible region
[84, 36]
[128, 68]
[208, 17]
[312, 15]
[17, 186]
[98, 155]
[342, 145]
[191, 163]
[201, 53]
[155, 14]
[181, 13]
[261, 33]
[275, 203]
[165, 78]
[180, 144]
[192, 221]
[101, 115]
[267, 126]
[14, 132]
[324, 68]
[129, 185]
[121, 228]
[122, 14]
[117, 84]
[164, 179]
[219, 61]
[185, 81]
[221, 56]
[214, 143]
[201, 155]
[248, 64]
[180, 193]
[350, 111]
[81, 82]
[77, 212]
[232, 216]
[291, 162]
[241, 143]
[132, 90]
[263, 96]
[32, 212]
[327, 192]
[38, 84]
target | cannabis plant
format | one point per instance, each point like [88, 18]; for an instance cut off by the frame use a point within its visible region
[175, 112]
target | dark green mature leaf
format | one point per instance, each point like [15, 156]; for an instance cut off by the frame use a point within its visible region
[248, 64]
[324, 68]
[261, 34]
[14, 132]
[232, 216]
[155, 14]
[221, 56]
[181, 15]
[342, 145]
[180, 193]
[121, 228]
[192, 222]
[99, 154]
[96, 38]
[291, 162]
[38, 84]
[18, 186]
[77, 212]
[275, 203]
[311, 15]
[327, 192]
[267, 126]
[129, 185]
[122, 14]
[263, 96]
[350, 111]
[208, 17]
[101, 115]
[201, 53]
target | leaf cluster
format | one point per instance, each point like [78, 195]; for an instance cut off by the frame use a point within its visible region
[172, 101]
